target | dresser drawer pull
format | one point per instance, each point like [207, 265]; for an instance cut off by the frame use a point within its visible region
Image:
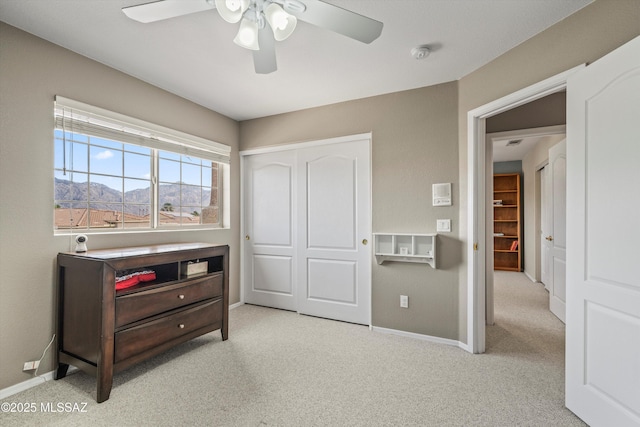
[181, 326]
[181, 296]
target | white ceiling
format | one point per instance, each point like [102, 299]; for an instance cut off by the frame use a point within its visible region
[503, 152]
[193, 56]
[529, 138]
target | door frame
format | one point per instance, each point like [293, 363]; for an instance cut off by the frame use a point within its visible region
[295, 146]
[476, 197]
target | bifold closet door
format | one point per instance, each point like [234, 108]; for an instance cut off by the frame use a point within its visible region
[269, 189]
[307, 222]
[334, 213]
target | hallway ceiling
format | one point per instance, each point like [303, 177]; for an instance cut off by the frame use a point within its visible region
[504, 153]
[193, 56]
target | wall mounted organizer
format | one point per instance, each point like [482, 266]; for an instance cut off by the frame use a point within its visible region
[419, 248]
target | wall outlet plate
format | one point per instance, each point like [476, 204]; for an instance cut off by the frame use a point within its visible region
[30, 366]
[443, 225]
[404, 301]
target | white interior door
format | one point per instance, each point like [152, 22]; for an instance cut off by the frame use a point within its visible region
[269, 191]
[546, 226]
[334, 250]
[603, 284]
[556, 240]
[489, 243]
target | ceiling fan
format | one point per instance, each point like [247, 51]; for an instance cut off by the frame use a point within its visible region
[263, 22]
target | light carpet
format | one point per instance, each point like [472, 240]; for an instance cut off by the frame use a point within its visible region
[283, 369]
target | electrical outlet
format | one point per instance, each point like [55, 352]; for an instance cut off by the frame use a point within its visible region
[30, 366]
[404, 301]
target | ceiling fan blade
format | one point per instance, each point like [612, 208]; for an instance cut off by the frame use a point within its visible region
[264, 60]
[165, 9]
[337, 19]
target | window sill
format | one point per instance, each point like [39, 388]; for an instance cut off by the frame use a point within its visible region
[67, 233]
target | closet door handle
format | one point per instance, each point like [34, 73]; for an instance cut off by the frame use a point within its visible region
[549, 238]
[365, 241]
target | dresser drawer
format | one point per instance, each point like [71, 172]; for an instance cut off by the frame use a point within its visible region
[140, 305]
[145, 336]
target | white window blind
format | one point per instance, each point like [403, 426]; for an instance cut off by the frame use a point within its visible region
[74, 116]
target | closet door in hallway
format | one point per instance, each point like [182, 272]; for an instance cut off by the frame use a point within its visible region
[307, 221]
[556, 241]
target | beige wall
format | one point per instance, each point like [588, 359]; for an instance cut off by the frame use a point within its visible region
[581, 38]
[414, 146]
[33, 71]
[547, 111]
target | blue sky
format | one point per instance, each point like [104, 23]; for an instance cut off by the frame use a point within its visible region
[133, 162]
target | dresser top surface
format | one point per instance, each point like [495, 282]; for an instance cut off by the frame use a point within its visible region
[115, 253]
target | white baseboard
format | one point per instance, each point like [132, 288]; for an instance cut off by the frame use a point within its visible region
[236, 305]
[26, 385]
[530, 277]
[420, 337]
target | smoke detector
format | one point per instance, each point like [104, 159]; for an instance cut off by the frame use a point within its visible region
[420, 52]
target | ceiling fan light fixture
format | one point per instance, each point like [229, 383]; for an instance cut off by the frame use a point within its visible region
[280, 21]
[232, 10]
[294, 6]
[247, 36]
[254, 15]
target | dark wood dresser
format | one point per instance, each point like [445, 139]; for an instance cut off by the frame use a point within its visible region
[102, 330]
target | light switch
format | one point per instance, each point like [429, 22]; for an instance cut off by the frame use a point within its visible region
[443, 225]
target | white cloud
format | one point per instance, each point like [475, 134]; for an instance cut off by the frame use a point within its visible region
[103, 155]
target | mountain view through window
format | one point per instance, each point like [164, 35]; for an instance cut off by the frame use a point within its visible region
[105, 184]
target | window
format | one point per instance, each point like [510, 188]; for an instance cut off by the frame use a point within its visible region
[115, 172]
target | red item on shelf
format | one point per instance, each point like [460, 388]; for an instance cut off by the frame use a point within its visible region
[147, 276]
[133, 279]
[127, 283]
